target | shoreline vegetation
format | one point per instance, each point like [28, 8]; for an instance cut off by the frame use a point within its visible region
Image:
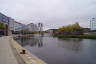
[74, 31]
[77, 36]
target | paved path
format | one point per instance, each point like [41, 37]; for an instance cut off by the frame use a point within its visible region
[6, 54]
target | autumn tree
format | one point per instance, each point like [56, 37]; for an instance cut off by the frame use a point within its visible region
[70, 28]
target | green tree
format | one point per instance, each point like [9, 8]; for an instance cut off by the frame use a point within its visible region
[2, 26]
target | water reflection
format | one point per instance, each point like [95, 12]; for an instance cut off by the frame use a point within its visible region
[32, 41]
[58, 51]
[73, 44]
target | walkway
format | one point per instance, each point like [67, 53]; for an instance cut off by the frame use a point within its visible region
[6, 54]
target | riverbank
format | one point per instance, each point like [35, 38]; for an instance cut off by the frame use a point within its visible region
[77, 36]
[23, 55]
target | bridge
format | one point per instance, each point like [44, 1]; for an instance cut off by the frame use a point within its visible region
[12, 53]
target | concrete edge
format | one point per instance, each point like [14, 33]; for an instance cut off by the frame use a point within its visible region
[27, 58]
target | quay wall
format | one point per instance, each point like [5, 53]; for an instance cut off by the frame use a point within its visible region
[23, 55]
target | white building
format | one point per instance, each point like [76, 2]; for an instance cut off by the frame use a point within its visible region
[16, 26]
[32, 27]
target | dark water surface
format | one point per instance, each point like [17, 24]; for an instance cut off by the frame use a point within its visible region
[57, 51]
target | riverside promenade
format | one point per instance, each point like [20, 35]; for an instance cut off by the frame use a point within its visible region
[6, 53]
[11, 53]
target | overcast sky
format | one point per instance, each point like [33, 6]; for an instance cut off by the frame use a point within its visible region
[52, 13]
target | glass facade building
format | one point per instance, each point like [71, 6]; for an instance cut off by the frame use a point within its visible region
[4, 19]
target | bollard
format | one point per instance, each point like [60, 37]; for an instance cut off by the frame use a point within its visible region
[23, 52]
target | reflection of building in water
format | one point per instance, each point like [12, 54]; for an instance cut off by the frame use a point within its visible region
[38, 41]
[22, 41]
[71, 44]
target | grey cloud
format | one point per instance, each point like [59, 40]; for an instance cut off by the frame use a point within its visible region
[53, 13]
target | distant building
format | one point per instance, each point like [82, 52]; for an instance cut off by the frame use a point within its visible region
[86, 30]
[32, 27]
[51, 31]
[18, 26]
[40, 27]
[93, 24]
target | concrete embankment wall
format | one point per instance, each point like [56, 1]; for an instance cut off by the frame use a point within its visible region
[26, 58]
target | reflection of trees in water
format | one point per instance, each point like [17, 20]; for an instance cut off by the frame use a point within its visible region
[71, 44]
[33, 41]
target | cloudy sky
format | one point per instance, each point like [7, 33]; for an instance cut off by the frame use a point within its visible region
[52, 13]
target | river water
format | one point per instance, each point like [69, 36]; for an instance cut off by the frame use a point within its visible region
[57, 51]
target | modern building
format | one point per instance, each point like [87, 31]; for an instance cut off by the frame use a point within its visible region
[4, 19]
[32, 27]
[17, 26]
[93, 24]
[7, 20]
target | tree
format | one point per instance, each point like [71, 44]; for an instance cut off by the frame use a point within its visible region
[70, 28]
[2, 26]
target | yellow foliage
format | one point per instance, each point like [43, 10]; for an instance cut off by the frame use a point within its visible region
[70, 28]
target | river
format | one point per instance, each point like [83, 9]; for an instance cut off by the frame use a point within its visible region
[57, 51]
